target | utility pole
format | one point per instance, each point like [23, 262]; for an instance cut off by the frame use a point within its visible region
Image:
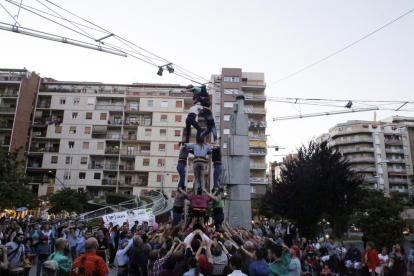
[237, 167]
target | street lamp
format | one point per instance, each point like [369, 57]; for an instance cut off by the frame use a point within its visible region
[61, 183]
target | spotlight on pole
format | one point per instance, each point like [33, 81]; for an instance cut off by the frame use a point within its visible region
[160, 70]
[170, 69]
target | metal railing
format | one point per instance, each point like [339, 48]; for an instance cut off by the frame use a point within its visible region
[127, 167]
[257, 124]
[254, 83]
[357, 149]
[134, 152]
[7, 109]
[398, 190]
[47, 149]
[6, 125]
[258, 165]
[401, 161]
[255, 98]
[258, 180]
[257, 137]
[111, 151]
[254, 110]
[347, 141]
[109, 167]
[138, 122]
[10, 78]
[115, 122]
[36, 134]
[114, 136]
[393, 141]
[257, 151]
[158, 203]
[109, 107]
[130, 137]
[9, 94]
[31, 164]
[362, 159]
[43, 105]
[398, 180]
[402, 170]
[394, 150]
[132, 108]
[107, 181]
[5, 142]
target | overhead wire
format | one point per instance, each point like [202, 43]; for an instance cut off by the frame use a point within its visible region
[339, 51]
[10, 15]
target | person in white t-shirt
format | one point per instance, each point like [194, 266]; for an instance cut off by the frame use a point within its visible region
[191, 121]
[384, 259]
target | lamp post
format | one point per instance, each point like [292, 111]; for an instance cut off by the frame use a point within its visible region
[61, 183]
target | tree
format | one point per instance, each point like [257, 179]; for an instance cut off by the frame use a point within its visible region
[13, 190]
[68, 200]
[380, 219]
[316, 185]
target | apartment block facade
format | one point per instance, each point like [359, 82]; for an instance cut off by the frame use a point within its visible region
[107, 137]
[381, 152]
[223, 91]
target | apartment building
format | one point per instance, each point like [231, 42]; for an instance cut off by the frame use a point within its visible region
[223, 94]
[381, 152]
[18, 89]
[107, 137]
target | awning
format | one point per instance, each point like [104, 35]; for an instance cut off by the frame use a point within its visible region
[257, 144]
[99, 129]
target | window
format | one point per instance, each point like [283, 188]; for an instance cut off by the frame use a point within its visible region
[146, 162]
[71, 144]
[88, 115]
[217, 108]
[253, 189]
[231, 79]
[82, 175]
[97, 176]
[224, 145]
[164, 104]
[176, 147]
[217, 120]
[148, 132]
[163, 132]
[72, 130]
[76, 101]
[218, 95]
[178, 118]
[54, 160]
[68, 160]
[66, 175]
[159, 177]
[62, 101]
[87, 130]
[161, 147]
[226, 118]
[229, 104]
[190, 178]
[226, 131]
[103, 116]
[100, 146]
[84, 160]
[178, 104]
[150, 103]
[175, 178]
[58, 129]
[74, 115]
[91, 101]
[145, 148]
[163, 118]
[160, 162]
[85, 145]
[177, 133]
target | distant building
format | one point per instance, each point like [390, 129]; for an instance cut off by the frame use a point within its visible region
[381, 152]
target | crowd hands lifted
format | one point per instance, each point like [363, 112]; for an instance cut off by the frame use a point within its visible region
[192, 248]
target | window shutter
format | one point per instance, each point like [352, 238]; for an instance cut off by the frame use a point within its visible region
[145, 148]
[87, 130]
[72, 128]
[176, 147]
[163, 131]
[161, 146]
[178, 118]
[159, 162]
[58, 129]
[88, 115]
[164, 117]
[177, 133]
[159, 177]
[175, 178]
[190, 178]
[103, 116]
[178, 104]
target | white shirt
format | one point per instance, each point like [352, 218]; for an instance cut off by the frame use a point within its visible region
[195, 109]
[381, 258]
[191, 234]
[237, 272]
[122, 256]
[316, 245]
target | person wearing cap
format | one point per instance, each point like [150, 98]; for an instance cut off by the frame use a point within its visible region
[89, 264]
[200, 95]
[43, 252]
[61, 256]
[193, 112]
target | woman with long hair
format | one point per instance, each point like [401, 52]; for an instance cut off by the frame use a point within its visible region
[370, 260]
[194, 268]
[399, 267]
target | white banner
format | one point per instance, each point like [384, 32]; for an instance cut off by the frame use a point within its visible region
[130, 217]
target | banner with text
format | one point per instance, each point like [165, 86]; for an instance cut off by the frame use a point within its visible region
[130, 217]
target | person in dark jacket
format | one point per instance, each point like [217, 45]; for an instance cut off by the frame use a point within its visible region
[135, 256]
[353, 258]
[182, 164]
[216, 158]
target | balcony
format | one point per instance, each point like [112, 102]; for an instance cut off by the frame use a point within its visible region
[132, 108]
[12, 94]
[393, 142]
[401, 170]
[258, 152]
[115, 122]
[257, 137]
[254, 83]
[6, 125]
[258, 180]
[363, 149]
[258, 166]
[5, 143]
[10, 78]
[5, 109]
[37, 134]
[127, 167]
[140, 92]
[114, 136]
[111, 182]
[127, 152]
[109, 107]
[254, 98]
[105, 167]
[363, 170]
[396, 190]
[135, 122]
[47, 149]
[34, 164]
[394, 150]
[362, 160]
[129, 137]
[43, 105]
[351, 141]
[139, 182]
[255, 110]
[112, 151]
[398, 161]
[398, 180]
[257, 124]
[40, 179]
